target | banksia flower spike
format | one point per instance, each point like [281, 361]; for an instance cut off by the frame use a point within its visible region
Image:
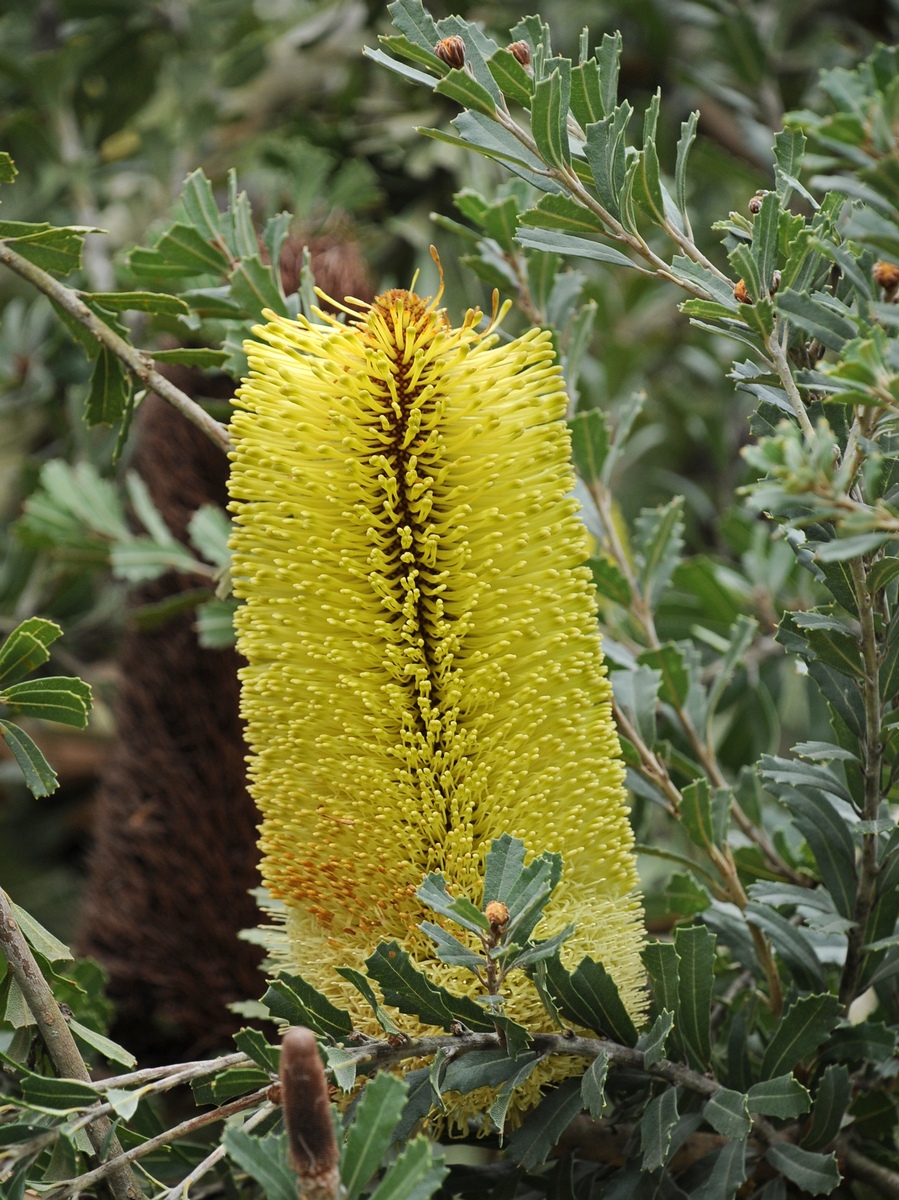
[424, 668]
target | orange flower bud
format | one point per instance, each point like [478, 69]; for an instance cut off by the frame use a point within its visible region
[451, 51]
[521, 51]
[497, 914]
[886, 274]
[741, 293]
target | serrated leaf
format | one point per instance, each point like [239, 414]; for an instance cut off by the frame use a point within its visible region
[549, 114]
[433, 893]
[210, 529]
[609, 580]
[39, 938]
[661, 962]
[376, 1114]
[728, 1113]
[658, 542]
[656, 1127]
[816, 1174]
[791, 943]
[8, 169]
[406, 988]
[198, 201]
[668, 660]
[53, 698]
[399, 68]
[40, 778]
[685, 142]
[566, 243]
[193, 357]
[255, 1046]
[728, 1174]
[593, 1086]
[27, 648]
[831, 1100]
[264, 1159]
[562, 213]
[185, 248]
[54, 249]
[57, 1095]
[739, 640]
[449, 949]
[804, 1026]
[412, 18]
[783, 1096]
[110, 1050]
[227, 1084]
[415, 1175]
[530, 1145]
[587, 102]
[152, 302]
[110, 388]
[589, 997]
[503, 866]
[500, 1105]
[606, 155]
[459, 86]
[636, 693]
[291, 999]
[589, 443]
[830, 327]
[342, 1065]
[253, 288]
[695, 947]
[142, 558]
[511, 78]
[654, 1041]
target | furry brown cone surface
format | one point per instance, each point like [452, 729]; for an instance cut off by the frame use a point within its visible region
[175, 830]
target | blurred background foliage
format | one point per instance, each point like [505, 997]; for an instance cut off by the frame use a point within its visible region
[106, 105]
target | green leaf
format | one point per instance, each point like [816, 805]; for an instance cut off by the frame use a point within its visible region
[412, 18]
[816, 318]
[500, 1105]
[654, 1041]
[376, 1114]
[255, 1046]
[606, 155]
[658, 1123]
[27, 648]
[668, 660]
[193, 357]
[816, 1174]
[587, 101]
[529, 895]
[609, 580]
[782, 1097]
[54, 698]
[661, 962]
[705, 813]
[406, 988]
[358, 980]
[648, 170]
[804, 1026]
[215, 624]
[728, 1113]
[511, 78]
[450, 949]
[110, 388]
[685, 142]
[589, 997]
[415, 1175]
[342, 1065]
[225, 1085]
[291, 999]
[400, 68]
[40, 778]
[254, 289]
[695, 947]
[264, 1159]
[728, 1174]
[831, 844]
[593, 1086]
[39, 938]
[433, 893]
[459, 86]
[198, 201]
[589, 443]
[531, 1144]
[57, 1095]
[791, 943]
[566, 243]
[831, 1100]
[210, 529]
[549, 114]
[110, 1050]
[503, 866]
[636, 692]
[152, 302]
[659, 541]
[739, 640]
[8, 169]
[57, 250]
[563, 213]
[789, 148]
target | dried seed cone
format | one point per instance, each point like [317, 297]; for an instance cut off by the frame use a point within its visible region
[424, 667]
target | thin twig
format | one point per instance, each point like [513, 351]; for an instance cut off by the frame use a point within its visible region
[202, 1168]
[137, 361]
[785, 375]
[61, 1045]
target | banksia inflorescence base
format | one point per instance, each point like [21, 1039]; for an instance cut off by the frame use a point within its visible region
[424, 668]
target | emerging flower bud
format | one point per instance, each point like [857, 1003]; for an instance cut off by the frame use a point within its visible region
[497, 914]
[307, 1116]
[886, 275]
[741, 292]
[451, 51]
[755, 204]
[521, 51]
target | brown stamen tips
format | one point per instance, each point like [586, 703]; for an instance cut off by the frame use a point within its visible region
[741, 292]
[886, 275]
[520, 51]
[307, 1117]
[497, 914]
[451, 50]
[755, 204]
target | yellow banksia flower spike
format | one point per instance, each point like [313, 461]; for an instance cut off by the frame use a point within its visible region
[423, 662]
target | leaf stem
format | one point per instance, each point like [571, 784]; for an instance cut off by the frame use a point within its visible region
[137, 361]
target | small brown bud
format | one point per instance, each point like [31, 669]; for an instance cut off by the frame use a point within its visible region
[451, 51]
[457, 1029]
[755, 204]
[775, 284]
[886, 275]
[307, 1116]
[396, 1039]
[741, 293]
[497, 914]
[520, 51]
